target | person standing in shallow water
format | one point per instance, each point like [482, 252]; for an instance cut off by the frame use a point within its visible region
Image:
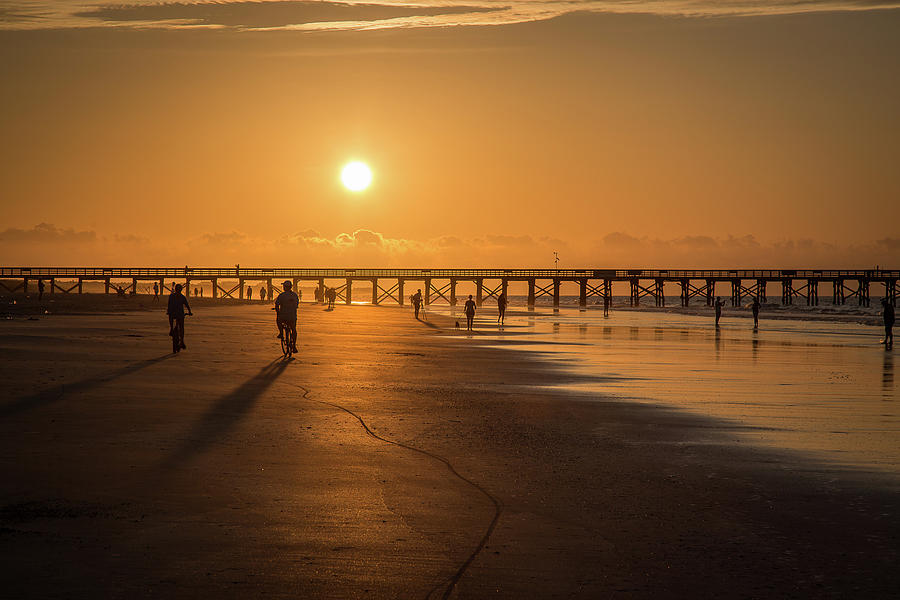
[755, 308]
[501, 307]
[719, 304]
[887, 313]
[40, 289]
[470, 312]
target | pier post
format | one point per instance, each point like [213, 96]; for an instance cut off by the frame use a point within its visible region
[812, 292]
[240, 288]
[400, 292]
[736, 295]
[787, 292]
[556, 293]
[349, 291]
[607, 292]
[531, 292]
[660, 293]
[635, 292]
[427, 291]
[269, 288]
[134, 285]
[106, 285]
[685, 293]
[479, 291]
[582, 293]
[215, 283]
[80, 285]
[52, 284]
[504, 285]
[863, 293]
[761, 290]
[321, 290]
[452, 291]
[375, 291]
[710, 291]
[187, 287]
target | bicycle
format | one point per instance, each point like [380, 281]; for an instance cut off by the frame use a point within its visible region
[176, 331]
[284, 335]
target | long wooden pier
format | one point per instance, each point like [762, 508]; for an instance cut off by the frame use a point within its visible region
[440, 285]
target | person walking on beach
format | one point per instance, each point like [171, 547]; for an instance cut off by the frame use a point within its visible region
[605, 305]
[262, 293]
[417, 302]
[470, 312]
[755, 308]
[501, 307]
[175, 311]
[155, 291]
[719, 304]
[249, 293]
[887, 314]
[286, 305]
[40, 289]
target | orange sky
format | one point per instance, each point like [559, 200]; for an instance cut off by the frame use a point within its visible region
[612, 138]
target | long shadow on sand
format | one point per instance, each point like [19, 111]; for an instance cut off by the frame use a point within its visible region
[56, 393]
[226, 413]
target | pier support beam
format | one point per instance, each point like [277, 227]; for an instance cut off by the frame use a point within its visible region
[531, 293]
[80, 285]
[863, 292]
[349, 291]
[427, 291]
[710, 291]
[452, 291]
[479, 292]
[52, 284]
[375, 291]
[582, 293]
[812, 292]
[106, 285]
[660, 293]
[504, 283]
[556, 293]
[400, 290]
[215, 283]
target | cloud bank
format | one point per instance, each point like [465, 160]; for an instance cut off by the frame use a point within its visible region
[316, 15]
[48, 245]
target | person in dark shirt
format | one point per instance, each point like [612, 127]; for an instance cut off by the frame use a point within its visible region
[470, 312]
[501, 307]
[888, 315]
[755, 308]
[719, 304]
[286, 304]
[417, 302]
[175, 310]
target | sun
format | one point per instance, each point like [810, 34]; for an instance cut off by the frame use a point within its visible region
[356, 176]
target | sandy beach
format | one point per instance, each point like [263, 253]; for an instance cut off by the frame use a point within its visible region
[394, 459]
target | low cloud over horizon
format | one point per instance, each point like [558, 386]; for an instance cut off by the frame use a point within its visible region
[48, 245]
[310, 15]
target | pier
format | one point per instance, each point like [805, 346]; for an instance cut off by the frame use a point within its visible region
[440, 285]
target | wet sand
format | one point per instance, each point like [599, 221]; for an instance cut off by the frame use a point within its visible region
[393, 459]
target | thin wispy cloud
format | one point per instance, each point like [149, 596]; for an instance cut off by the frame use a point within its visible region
[319, 15]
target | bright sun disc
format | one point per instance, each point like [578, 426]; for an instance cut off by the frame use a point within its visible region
[356, 176]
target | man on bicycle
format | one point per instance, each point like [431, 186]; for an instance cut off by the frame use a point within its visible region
[175, 310]
[286, 314]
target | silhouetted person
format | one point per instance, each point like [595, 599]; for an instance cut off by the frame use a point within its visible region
[155, 290]
[40, 289]
[501, 307]
[470, 312]
[262, 293]
[417, 302]
[887, 314]
[201, 291]
[196, 292]
[249, 293]
[755, 308]
[286, 305]
[331, 293]
[719, 304]
[175, 310]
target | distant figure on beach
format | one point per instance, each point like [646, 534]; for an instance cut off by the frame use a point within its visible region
[470, 312]
[332, 296]
[40, 289]
[417, 302]
[155, 290]
[201, 291]
[719, 304]
[887, 314]
[175, 311]
[249, 293]
[262, 293]
[286, 305]
[755, 308]
[605, 305]
[501, 307]
[196, 292]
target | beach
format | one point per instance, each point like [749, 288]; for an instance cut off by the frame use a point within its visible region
[396, 458]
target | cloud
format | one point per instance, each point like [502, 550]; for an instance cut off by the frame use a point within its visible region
[268, 15]
[47, 244]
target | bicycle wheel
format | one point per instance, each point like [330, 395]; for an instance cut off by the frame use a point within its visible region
[173, 332]
[285, 342]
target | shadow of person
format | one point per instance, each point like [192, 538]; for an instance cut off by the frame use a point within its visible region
[56, 393]
[887, 377]
[225, 414]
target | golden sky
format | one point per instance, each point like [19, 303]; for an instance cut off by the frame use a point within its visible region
[667, 133]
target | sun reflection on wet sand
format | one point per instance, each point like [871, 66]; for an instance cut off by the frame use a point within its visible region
[827, 388]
